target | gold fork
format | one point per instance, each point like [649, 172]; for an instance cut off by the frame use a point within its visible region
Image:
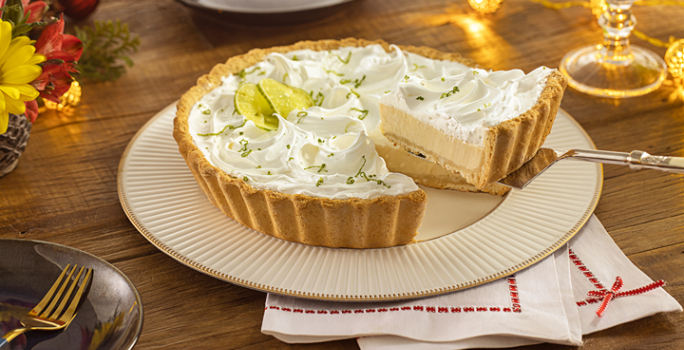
[47, 315]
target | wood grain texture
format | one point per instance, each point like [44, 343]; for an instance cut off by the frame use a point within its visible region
[64, 189]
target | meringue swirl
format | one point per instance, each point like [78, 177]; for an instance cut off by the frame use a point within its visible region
[325, 150]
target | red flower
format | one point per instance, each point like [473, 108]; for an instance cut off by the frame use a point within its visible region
[54, 81]
[53, 41]
[37, 9]
[62, 51]
[31, 110]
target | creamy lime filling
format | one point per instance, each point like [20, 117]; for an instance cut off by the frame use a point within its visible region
[324, 151]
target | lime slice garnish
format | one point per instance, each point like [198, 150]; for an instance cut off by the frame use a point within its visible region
[284, 98]
[252, 104]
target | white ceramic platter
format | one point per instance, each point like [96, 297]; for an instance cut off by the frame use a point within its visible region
[466, 239]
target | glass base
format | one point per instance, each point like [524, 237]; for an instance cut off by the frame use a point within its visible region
[591, 71]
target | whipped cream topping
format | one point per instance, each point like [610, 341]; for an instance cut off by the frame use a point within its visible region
[325, 151]
[465, 105]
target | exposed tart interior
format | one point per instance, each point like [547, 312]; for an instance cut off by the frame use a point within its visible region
[429, 173]
[504, 149]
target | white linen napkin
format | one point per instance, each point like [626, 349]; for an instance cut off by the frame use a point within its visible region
[547, 302]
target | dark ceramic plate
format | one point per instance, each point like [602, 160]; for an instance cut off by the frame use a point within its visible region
[111, 318]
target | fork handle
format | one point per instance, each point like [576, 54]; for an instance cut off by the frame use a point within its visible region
[635, 159]
[11, 335]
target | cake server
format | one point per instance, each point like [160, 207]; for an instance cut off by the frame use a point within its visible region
[546, 157]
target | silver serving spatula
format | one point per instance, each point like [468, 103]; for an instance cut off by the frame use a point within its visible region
[546, 157]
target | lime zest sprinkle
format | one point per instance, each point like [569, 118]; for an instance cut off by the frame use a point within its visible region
[320, 141]
[351, 91]
[316, 100]
[350, 180]
[203, 109]
[262, 73]
[224, 129]
[356, 81]
[243, 73]
[348, 125]
[416, 67]
[340, 58]
[368, 178]
[291, 158]
[294, 58]
[449, 93]
[388, 91]
[319, 182]
[421, 98]
[288, 146]
[245, 179]
[475, 72]
[258, 167]
[285, 76]
[244, 144]
[487, 104]
[442, 78]
[331, 154]
[330, 71]
[406, 78]
[364, 113]
[301, 115]
[320, 167]
[478, 110]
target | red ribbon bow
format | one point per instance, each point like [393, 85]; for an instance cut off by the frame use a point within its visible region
[609, 295]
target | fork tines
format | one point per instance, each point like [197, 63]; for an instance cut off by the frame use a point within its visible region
[53, 304]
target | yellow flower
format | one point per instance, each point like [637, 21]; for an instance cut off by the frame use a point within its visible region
[18, 67]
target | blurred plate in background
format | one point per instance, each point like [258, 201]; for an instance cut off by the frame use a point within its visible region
[266, 12]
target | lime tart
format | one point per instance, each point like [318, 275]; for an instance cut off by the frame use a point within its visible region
[287, 141]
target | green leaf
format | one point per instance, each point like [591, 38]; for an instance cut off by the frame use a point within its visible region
[13, 11]
[106, 47]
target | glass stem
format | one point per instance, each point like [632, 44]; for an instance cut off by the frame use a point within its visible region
[617, 23]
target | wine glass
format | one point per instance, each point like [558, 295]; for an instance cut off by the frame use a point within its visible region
[614, 69]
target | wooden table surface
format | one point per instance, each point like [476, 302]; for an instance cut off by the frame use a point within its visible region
[65, 191]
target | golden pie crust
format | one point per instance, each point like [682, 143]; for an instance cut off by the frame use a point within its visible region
[506, 146]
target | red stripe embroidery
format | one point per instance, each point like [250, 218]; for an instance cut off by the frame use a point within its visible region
[512, 288]
[602, 295]
[588, 274]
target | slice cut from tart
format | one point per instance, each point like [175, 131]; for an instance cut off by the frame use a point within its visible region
[482, 125]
